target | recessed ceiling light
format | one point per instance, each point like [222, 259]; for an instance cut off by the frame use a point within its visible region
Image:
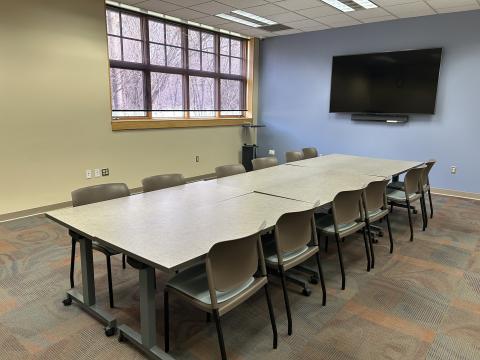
[339, 5]
[238, 20]
[254, 17]
[366, 4]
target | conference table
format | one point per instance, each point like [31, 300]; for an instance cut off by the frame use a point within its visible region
[171, 229]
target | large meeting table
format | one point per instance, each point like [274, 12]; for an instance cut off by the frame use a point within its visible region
[173, 228]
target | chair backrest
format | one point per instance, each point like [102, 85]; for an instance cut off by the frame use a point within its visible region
[375, 195]
[265, 162]
[413, 179]
[291, 156]
[293, 231]
[98, 193]
[229, 170]
[231, 263]
[347, 207]
[159, 182]
[429, 164]
[309, 153]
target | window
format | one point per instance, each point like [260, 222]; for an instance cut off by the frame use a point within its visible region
[166, 70]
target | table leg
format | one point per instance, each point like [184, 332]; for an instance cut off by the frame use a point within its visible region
[87, 300]
[146, 340]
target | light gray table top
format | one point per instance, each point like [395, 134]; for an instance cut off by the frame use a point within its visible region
[321, 187]
[359, 164]
[169, 238]
[264, 178]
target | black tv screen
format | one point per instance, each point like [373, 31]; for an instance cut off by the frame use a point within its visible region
[401, 82]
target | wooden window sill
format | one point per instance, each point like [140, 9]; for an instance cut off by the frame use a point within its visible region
[142, 124]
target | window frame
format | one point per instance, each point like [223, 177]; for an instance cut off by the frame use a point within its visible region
[148, 121]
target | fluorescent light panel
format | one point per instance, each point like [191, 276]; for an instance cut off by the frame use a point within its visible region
[339, 5]
[254, 17]
[366, 4]
[238, 20]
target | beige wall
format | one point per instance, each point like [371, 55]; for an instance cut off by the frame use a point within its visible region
[54, 111]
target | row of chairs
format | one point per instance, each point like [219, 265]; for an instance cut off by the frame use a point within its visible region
[235, 270]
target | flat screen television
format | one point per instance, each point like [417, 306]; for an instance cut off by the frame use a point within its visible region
[400, 82]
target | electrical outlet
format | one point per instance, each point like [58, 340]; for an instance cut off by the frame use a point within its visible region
[271, 152]
[88, 174]
[105, 172]
[197, 158]
[97, 173]
[453, 170]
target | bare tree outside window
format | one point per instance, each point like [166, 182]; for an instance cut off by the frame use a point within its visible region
[164, 70]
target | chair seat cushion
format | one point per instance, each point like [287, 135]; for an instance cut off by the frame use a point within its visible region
[193, 282]
[325, 224]
[399, 195]
[378, 214]
[271, 254]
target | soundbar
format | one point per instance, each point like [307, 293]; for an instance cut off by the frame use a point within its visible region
[390, 119]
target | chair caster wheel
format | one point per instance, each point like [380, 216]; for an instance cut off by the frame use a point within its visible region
[313, 280]
[121, 338]
[375, 240]
[110, 331]
[415, 211]
[67, 301]
[306, 292]
[380, 234]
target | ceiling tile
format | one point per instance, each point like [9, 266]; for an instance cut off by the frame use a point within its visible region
[442, 4]
[266, 10]
[242, 4]
[158, 6]
[302, 24]
[186, 3]
[370, 13]
[418, 8]
[378, 19]
[315, 28]
[212, 21]
[186, 14]
[286, 17]
[298, 4]
[458, 9]
[338, 20]
[212, 8]
[319, 11]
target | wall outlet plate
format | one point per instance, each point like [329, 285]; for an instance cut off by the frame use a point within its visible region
[97, 173]
[88, 174]
[197, 158]
[453, 170]
[105, 172]
[271, 152]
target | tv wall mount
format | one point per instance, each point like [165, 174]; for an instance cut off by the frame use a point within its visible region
[386, 118]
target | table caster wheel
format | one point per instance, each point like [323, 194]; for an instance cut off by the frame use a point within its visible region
[67, 301]
[121, 338]
[306, 292]
[313, 280]
[110, 331]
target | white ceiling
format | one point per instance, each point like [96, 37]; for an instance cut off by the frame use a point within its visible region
[300, 15]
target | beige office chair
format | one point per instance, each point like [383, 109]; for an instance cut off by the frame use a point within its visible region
[233, 272]
[412, 192]
[90, 195]
[376, 209]
[347, 218]
[229, 170]
[309, 153]
[291, 156]
[160, 182]
[265, 162]
[295, 241]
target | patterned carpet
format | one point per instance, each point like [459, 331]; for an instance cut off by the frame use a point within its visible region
[422, 302]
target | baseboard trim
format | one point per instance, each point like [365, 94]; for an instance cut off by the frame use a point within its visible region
[455, 193]
[43, 209]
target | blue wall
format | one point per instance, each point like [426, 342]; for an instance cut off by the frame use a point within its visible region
[294, 96]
